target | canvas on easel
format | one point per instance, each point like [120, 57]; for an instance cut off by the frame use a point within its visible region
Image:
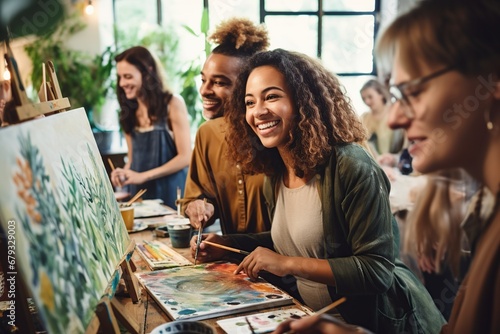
[70, 239]
[209, 290]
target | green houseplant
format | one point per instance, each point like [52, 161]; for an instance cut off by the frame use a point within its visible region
[83, 78]
[181, 76]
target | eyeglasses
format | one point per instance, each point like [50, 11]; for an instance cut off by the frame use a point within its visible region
[401, 92]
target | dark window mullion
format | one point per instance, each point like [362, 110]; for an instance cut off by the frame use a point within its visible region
[285, 13]
[159, 13]
[320, 15]
[344, 13]
[320, 28]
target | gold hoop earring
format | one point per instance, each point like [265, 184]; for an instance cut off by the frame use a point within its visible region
[487, 118]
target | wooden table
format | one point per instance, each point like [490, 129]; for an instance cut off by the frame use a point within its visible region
[147, 312]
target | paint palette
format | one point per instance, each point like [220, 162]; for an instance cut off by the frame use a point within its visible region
[151, 208]
[209, 290]
[261, 322]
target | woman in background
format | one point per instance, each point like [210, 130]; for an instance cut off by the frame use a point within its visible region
[156, 129]
[385, 144]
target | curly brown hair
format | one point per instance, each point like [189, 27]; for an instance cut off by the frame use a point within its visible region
[239, 37]
[324, 117]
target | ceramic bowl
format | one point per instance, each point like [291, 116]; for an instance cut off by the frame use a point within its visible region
[184, 327]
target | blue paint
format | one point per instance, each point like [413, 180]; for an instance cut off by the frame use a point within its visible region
[187, 311]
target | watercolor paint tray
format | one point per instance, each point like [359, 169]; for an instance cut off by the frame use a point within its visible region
[261, 322]
[138, 227]
[159, 256]
[151, 208]
[209, 290]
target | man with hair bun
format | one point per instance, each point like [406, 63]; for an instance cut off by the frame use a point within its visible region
[235, 199]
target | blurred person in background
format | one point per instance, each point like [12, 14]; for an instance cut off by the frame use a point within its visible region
[156, 127]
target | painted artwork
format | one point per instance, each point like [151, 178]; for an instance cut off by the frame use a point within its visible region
[57, 199]
[261, 322]
[209, 290]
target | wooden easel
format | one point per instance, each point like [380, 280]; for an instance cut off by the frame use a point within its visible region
[108, 311]
[25, 109]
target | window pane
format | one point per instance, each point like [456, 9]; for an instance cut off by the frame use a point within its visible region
[348, 43]
[133, 14]
[224, 9]
[298, 33]
[291, 5]
[349, 5]
[175, 19]
[352, 86]
[174, 13]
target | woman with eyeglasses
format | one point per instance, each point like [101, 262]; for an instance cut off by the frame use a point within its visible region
[444, 60]
[445, 81]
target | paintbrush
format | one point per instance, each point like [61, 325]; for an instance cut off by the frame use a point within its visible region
[231, 249]
[198, 239]
[112, 169]
[250, 325]
[136, 197]
[324, 310]
[111, 164]
[331, 306]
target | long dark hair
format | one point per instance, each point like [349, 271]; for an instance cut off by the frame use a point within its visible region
[152, 91]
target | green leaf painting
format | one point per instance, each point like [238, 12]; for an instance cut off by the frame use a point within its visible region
[69, 235]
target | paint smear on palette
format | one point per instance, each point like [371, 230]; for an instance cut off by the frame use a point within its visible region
[209, 290]
[261, 322]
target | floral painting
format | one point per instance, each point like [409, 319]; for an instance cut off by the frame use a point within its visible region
[57, 201]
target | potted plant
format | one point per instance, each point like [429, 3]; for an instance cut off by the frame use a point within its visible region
[182, 77]
[83, 78]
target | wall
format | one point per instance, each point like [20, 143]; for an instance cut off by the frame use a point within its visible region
[99, 33]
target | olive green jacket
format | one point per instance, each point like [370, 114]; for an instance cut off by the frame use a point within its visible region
[361, 245]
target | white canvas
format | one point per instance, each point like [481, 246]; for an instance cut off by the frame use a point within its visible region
[56, 197]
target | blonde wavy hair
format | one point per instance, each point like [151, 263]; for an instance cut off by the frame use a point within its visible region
[433, 226]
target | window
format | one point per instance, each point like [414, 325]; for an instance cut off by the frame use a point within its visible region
[339, 32]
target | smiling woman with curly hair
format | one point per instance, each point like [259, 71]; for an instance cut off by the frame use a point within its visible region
[324, 117]
[332, 227]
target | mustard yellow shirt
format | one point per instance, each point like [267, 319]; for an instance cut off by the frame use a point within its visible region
[237, 198]
[384, 139]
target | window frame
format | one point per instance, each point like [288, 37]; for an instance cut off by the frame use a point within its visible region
[320, 15]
